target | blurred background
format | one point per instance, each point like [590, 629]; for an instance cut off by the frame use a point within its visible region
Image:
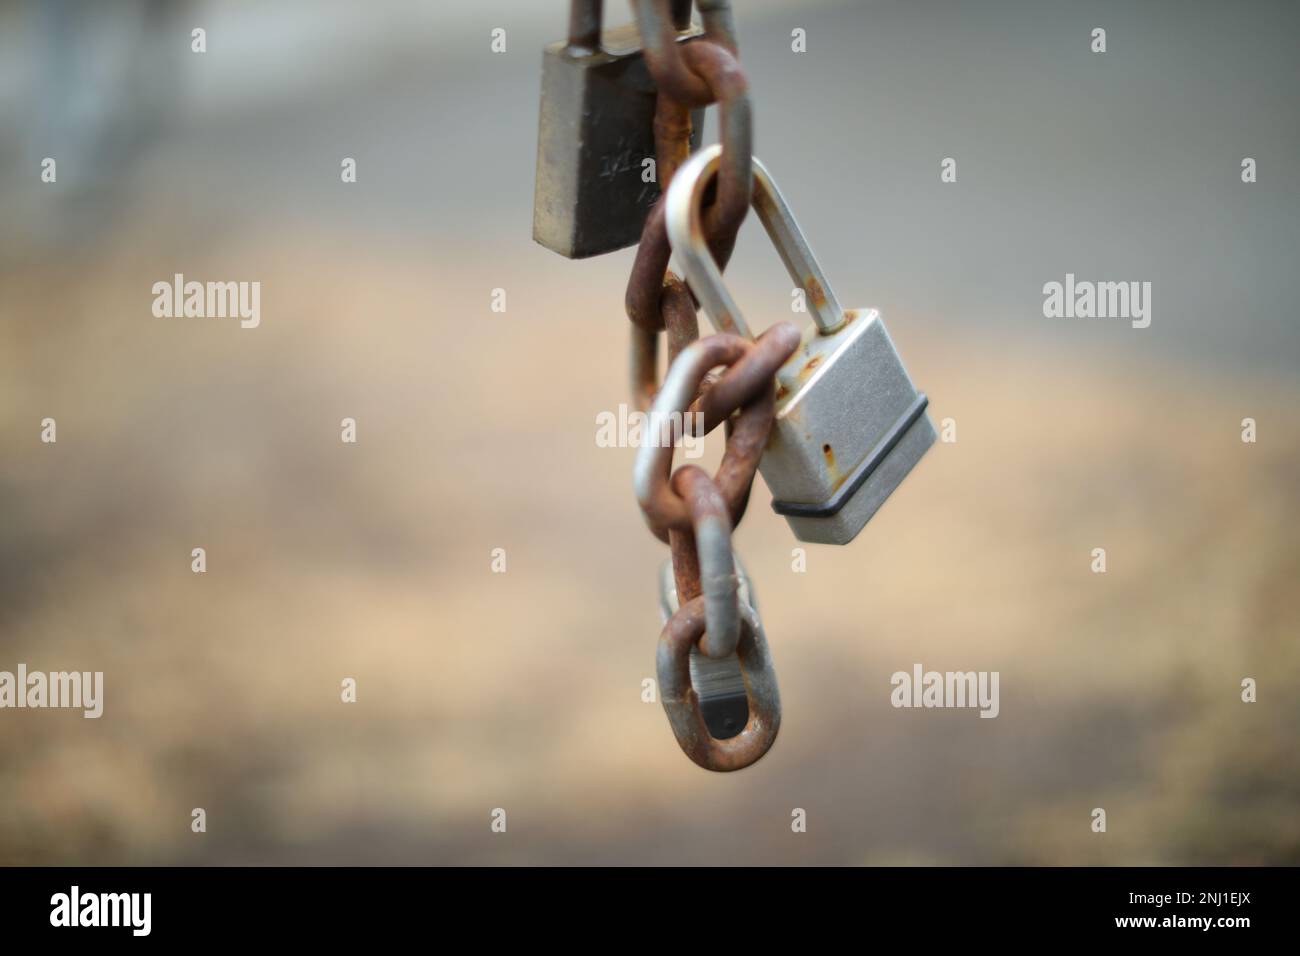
[476, 431]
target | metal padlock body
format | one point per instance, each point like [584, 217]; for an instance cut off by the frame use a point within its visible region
[837, 452]
[850, 425]
[596, 129]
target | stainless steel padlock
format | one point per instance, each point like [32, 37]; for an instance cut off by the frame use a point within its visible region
[596, 129]
[849, 423]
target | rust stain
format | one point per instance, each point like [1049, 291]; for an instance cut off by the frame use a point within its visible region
[811, 364]
[832, 468]
[815, 291]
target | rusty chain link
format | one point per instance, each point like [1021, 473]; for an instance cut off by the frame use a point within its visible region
[690, 510]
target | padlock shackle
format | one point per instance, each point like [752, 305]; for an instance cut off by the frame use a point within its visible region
[585, 20]
[686, 234]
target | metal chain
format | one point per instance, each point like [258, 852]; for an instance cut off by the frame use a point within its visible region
[690, 510]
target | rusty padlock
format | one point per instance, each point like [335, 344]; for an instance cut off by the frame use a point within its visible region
[595, 132]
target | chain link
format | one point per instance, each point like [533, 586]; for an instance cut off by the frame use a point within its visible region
[695, 513]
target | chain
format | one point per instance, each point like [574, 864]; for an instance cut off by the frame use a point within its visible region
[693, 512]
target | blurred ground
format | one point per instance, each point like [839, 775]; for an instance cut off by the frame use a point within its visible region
[476, 431]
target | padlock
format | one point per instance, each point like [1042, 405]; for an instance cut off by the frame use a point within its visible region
[850, 425]
[595, 132]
